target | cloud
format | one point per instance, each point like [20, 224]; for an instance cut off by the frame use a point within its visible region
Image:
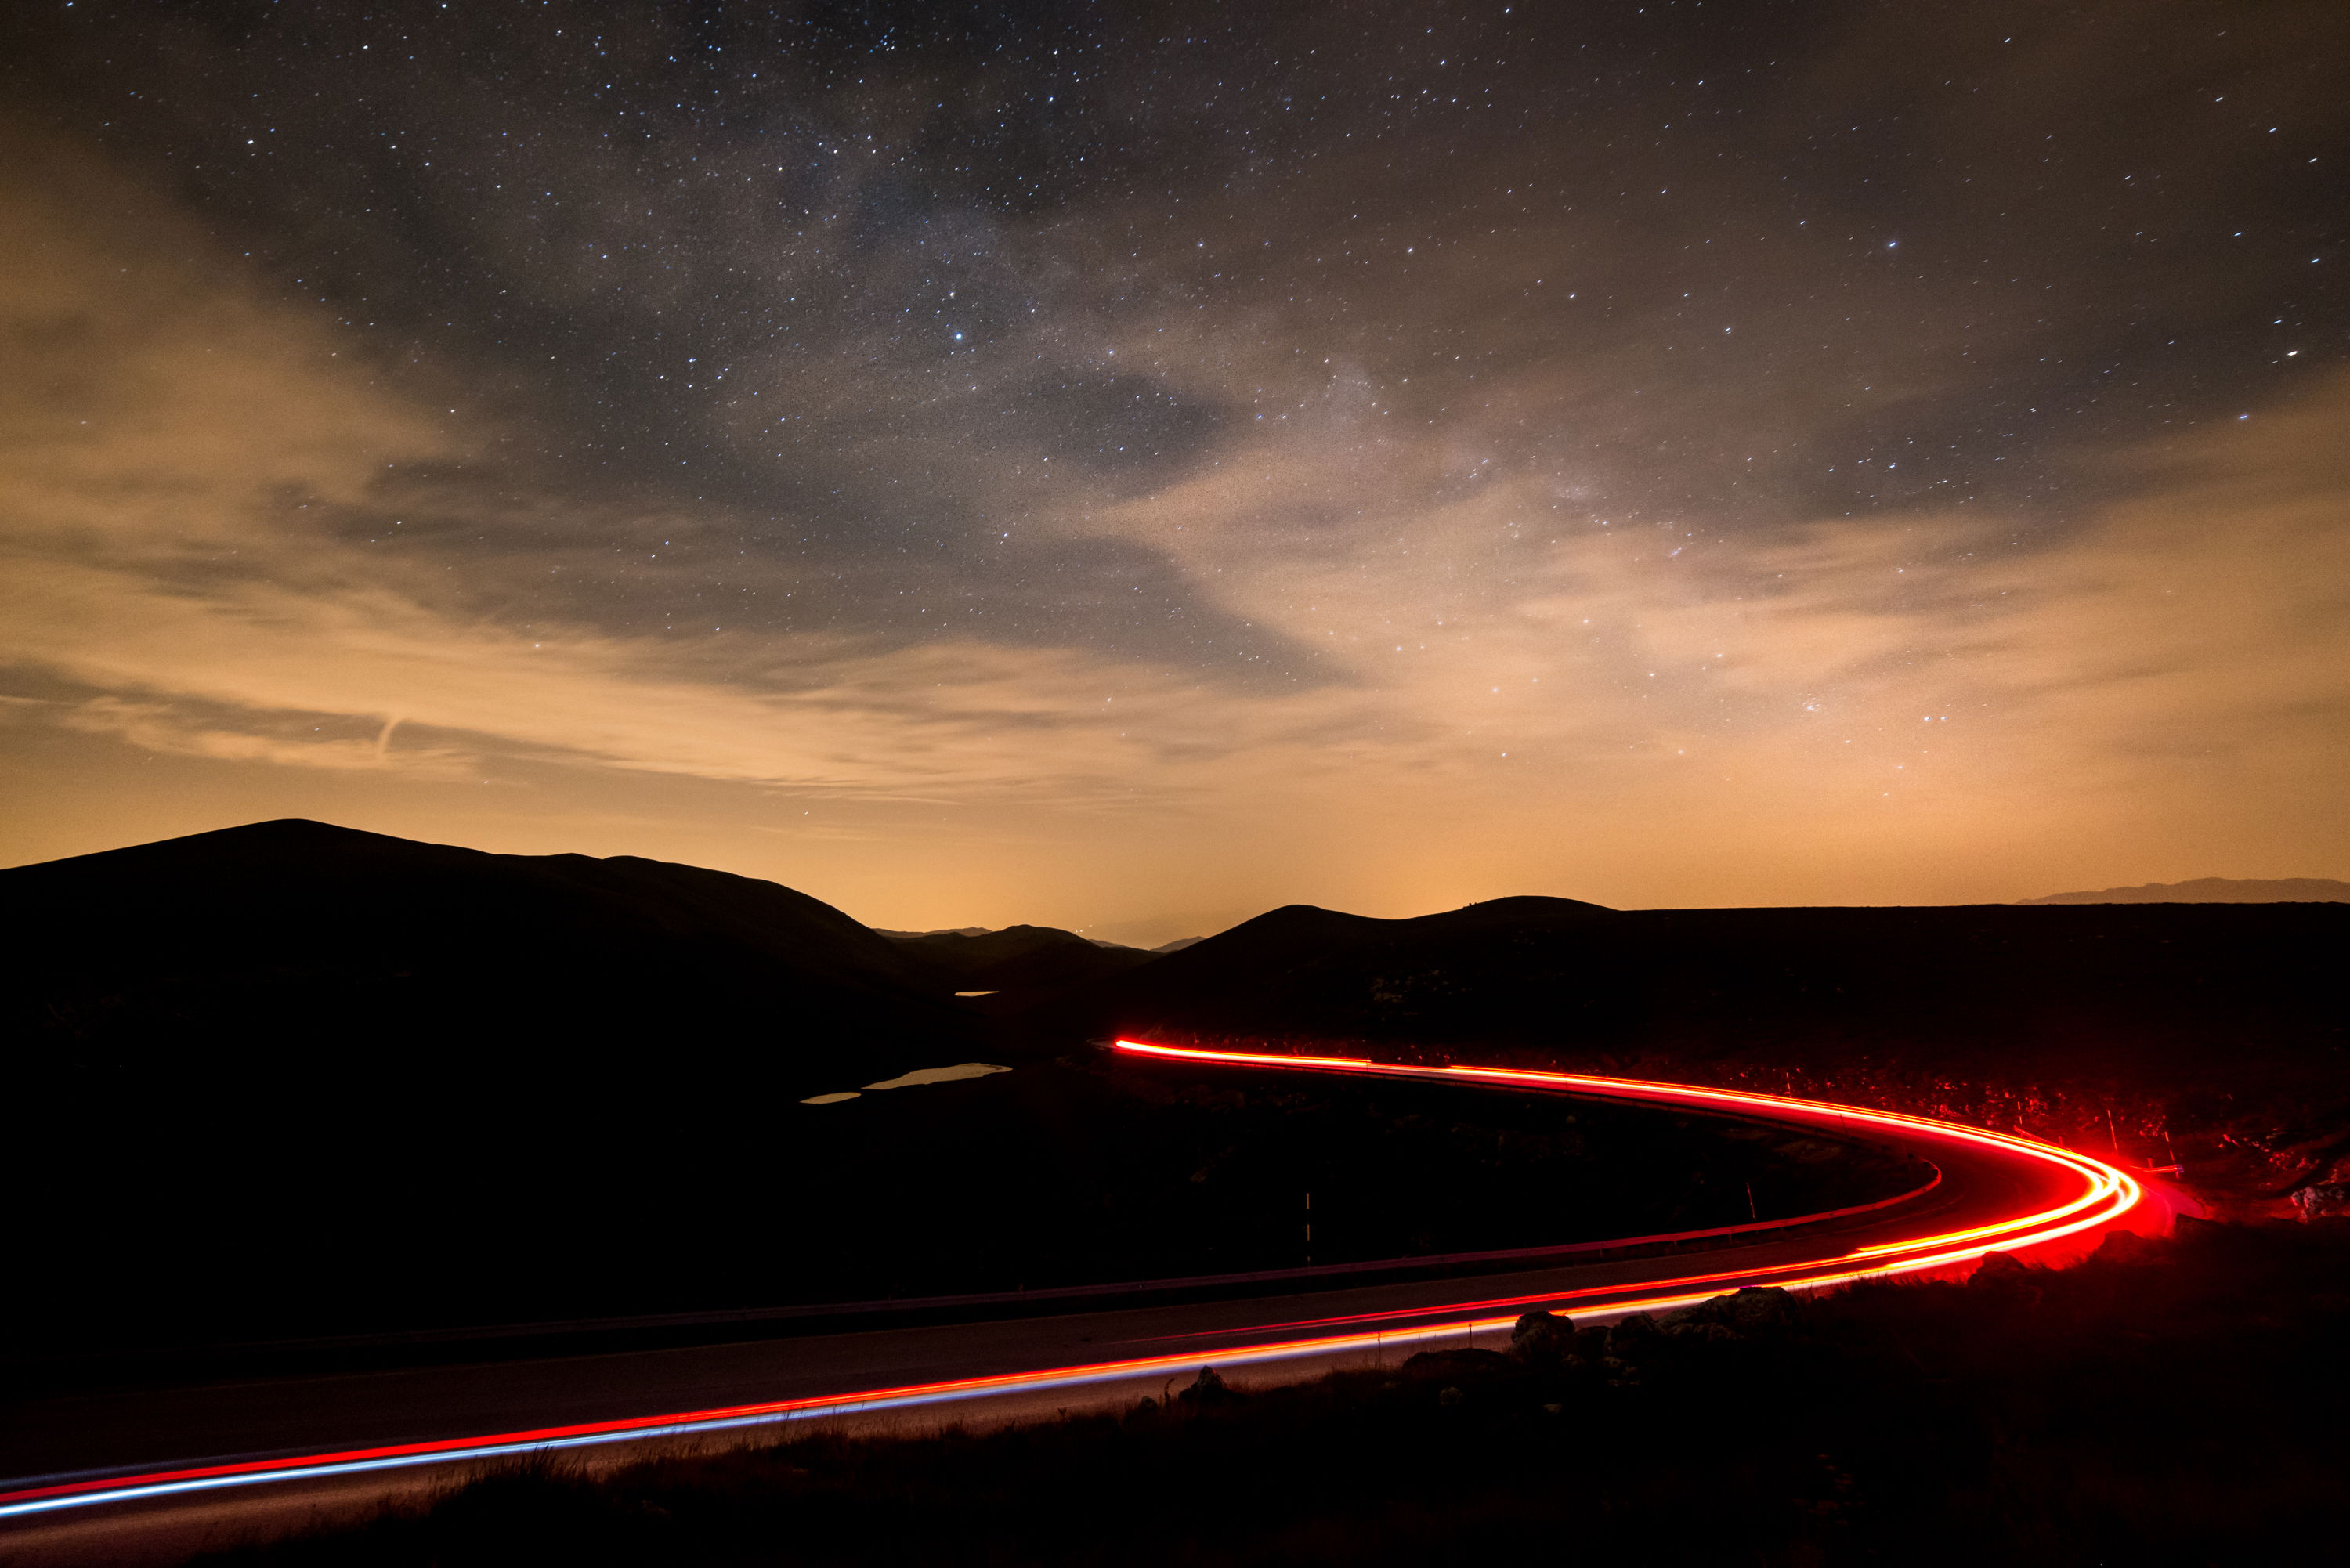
[1408, 515]
[198, 532]
[155, 397]
[171, 731]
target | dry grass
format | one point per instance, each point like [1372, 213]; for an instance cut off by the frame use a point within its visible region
[2163, 1403]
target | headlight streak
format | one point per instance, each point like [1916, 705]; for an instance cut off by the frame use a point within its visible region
[2106, 1195]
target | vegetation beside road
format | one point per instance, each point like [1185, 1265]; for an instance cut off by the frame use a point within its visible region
[2163, 1403]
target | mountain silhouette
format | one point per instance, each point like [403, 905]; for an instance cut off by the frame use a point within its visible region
[2215, 890]
[2117, 991]
[395, 1067]
[1016, 958]
[281, 936]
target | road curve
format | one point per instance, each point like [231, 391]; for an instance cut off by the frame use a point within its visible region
[1997, 1191]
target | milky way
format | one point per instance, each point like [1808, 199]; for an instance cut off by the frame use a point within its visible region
[1085, 463]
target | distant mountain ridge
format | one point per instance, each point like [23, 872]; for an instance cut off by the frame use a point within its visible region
[1017, 958]
[2149, 993]
[1155, 933]
[2215, 890]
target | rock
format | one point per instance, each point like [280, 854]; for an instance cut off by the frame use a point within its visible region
[2124, 1247]
[1210, 1388]
[2320, 1199]
[1628, 1333]
[2004, 1277]
[1999, 1268]
[1456, 1363]
[1761, 1312]
[1708, 1332]
[1541, 1336]
[1754, 1311]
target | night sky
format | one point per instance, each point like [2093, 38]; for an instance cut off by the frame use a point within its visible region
[1127, 466]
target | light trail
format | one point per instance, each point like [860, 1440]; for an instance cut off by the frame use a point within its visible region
[2105, 1195]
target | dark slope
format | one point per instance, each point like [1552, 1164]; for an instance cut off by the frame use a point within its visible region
[2095, 982]
[1313, 971]
[2215, 890]
[297, 935]
[416, 1081]
[2162, 1405]
[323, 945]
[1026, 959]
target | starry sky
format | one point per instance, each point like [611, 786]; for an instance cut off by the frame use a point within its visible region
[1127, 466]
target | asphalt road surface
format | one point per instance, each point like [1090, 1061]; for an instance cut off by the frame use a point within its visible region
[150, 1475]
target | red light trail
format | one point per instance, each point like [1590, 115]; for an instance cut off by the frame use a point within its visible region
[2097, 1195]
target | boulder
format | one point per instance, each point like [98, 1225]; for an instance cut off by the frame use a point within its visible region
[1755, 1311]
[1709, 1332]
[2320, 1200]
[1764, 1312]
[1210, 1388]
[1457, 1363]
[2124, 1247]
[1999, 1268]
[1541, 1336]
[1626, 1334]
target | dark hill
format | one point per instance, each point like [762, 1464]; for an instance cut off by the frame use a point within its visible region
[1310, 971]
[1026, 958]
[303, 937]
[2116, 985]
[1317, 970]
[2227, 1017]
[380, 1069]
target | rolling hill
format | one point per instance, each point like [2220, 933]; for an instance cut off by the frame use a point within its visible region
[2209, 1033]
[309, 941]
[426, 1080]
[1018, 958]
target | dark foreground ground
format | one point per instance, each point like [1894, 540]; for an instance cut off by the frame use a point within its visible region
[2163, 1403]
[1089, 1169]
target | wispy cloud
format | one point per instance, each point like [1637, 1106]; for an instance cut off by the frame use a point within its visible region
[1384, 521]
[169, 730]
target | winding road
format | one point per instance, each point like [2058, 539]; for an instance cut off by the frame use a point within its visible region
[144, 1459]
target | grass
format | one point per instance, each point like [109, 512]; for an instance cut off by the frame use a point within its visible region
[2164, 1403]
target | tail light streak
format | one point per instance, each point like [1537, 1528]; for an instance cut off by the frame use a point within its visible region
[2105, 1195]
